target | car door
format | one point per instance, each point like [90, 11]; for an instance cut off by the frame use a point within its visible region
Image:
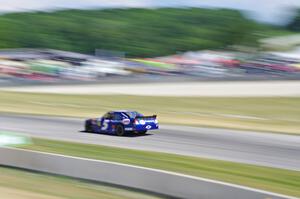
[106, 122]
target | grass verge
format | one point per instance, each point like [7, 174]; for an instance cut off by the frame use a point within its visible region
[271, 179]
[262, 114]
[20, 184]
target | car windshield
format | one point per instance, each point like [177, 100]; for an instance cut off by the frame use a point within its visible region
[133, 114]
[107, 115]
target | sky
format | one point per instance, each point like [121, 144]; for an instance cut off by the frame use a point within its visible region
[269, 11]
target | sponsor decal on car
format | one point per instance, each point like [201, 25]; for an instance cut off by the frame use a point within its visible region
[126, 121]
[142, 122]
[148, 127]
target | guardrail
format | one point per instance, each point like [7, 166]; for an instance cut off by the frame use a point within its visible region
[153, 180]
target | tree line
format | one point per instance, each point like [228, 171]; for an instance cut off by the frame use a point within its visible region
[137, 32]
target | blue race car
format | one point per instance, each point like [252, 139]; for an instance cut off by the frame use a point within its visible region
[120, 122]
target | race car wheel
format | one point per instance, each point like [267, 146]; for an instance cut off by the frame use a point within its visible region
[142, 132]
[120, 130]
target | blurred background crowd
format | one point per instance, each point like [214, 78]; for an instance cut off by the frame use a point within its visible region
[91, 45]
[53, 65]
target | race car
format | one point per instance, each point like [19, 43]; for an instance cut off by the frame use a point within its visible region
[121, 122]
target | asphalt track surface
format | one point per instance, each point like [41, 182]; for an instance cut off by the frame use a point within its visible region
[265, 149]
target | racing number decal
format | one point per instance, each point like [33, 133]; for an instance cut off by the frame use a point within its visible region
[104, 125]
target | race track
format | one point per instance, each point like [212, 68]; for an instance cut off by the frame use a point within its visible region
[281, 151]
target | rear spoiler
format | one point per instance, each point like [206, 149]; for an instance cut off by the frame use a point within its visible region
[146, 117]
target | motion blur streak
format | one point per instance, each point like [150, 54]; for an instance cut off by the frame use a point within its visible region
[273, 150]
[183, 49]
[183, 89]
[161, 42]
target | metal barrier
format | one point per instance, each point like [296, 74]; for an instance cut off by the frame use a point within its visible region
[153, 180]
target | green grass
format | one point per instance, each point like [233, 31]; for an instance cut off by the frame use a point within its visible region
[19, 184]
[271, 179]
[262, 114]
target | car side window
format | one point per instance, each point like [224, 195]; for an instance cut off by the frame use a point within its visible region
[117, 116]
